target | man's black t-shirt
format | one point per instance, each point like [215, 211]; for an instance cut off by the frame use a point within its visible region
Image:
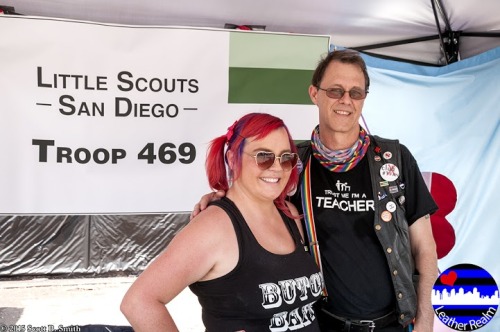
[355, 269]
[354, 265]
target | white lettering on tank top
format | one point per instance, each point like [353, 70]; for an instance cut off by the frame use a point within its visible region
[290, 291]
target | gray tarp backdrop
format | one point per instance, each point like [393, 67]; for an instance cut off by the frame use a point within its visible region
[83, 244]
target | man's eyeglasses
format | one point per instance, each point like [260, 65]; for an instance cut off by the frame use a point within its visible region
[265, 160]
[337, 93]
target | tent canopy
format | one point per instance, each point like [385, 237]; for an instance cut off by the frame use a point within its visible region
[433, 32]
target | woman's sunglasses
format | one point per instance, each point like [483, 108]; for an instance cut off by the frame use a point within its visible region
[265, 160]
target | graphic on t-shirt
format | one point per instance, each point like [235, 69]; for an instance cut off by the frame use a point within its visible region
[345, 200]
[465, 297]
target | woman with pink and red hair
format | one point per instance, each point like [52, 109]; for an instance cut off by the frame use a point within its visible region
[243, 256]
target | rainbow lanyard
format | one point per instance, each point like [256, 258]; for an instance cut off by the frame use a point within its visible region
[307, 207]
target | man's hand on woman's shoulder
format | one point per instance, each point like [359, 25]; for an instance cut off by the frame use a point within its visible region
[205, 200]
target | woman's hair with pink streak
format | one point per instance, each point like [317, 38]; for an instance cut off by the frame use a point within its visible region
[257, 125]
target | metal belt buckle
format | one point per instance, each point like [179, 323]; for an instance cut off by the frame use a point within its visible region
[371, 324]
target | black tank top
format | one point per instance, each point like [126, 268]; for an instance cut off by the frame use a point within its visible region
[265, 291]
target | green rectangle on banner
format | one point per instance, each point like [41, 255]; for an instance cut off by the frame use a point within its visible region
[261, 50]
[273, 68]
[269, 86]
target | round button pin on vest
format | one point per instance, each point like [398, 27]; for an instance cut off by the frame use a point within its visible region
[386, 216]
[390, 206]
[389, 172]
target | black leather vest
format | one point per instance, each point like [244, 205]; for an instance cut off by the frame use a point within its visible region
[390, 224]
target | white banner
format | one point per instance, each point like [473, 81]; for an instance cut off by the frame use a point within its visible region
[100, 118]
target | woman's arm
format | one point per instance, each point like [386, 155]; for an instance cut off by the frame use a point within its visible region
[202, 250]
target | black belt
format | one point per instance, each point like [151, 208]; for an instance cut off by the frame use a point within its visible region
[358, 325]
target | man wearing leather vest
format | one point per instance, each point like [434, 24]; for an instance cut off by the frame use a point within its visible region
[369, 209]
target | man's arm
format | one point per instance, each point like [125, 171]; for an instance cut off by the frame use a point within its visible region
[205, 199]
[424, 253]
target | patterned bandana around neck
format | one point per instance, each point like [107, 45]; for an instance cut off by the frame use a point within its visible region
[340, 160]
